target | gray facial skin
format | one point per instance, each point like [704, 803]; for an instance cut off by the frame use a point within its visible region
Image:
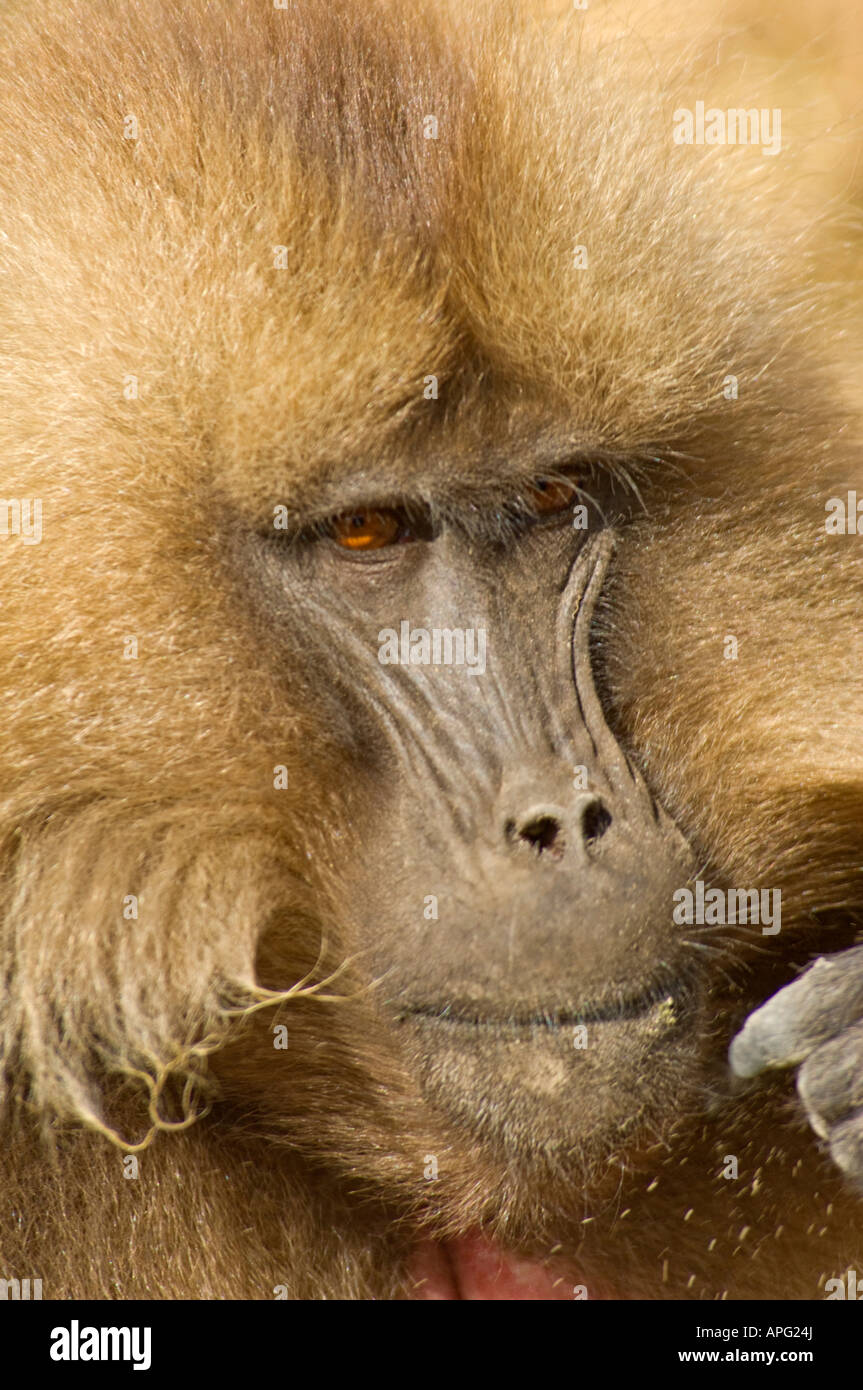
[511, 886]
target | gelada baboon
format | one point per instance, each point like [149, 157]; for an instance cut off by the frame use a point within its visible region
[416, 591]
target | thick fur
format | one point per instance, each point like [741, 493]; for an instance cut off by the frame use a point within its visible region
[153, 776]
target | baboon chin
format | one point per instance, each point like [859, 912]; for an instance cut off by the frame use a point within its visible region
[432, 721]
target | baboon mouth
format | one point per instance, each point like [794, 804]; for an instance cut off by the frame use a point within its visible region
[476, 1269]
[660, 1003]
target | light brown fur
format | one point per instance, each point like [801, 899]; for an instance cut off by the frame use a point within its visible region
[154, 776]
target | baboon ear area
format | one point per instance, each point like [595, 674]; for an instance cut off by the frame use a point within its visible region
[328, 312]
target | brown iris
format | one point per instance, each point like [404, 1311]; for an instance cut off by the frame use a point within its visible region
[551, 495]
[367, 529]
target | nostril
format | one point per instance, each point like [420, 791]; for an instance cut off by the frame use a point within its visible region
[595, 820]
[542, 833]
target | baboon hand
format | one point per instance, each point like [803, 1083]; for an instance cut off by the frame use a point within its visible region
[816, 1021]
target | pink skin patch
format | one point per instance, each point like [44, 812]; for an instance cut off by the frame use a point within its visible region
[475, 1269]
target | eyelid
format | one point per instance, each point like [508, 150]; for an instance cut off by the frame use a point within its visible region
[417, 521]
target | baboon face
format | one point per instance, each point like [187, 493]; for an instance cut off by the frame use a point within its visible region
[510, 885]
[427, 427]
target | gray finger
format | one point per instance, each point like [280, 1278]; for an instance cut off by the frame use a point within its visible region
[830, 1082]
[846, 1146]
[826, 999]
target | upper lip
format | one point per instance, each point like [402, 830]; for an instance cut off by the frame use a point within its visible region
[614, 1008]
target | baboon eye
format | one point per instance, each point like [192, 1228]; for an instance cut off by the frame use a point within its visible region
[370, 528]
[551, 495]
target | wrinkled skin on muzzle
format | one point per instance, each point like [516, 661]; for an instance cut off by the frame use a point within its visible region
[511, 893]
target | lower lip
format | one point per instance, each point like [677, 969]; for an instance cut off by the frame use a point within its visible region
[474, 1269]
[662, 1013]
